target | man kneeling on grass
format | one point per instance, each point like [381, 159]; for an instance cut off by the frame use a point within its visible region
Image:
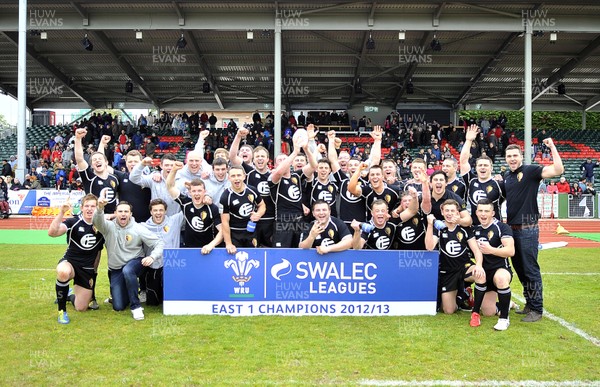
[125, 241]
[455, 241]
[84, 243]
[495, 240]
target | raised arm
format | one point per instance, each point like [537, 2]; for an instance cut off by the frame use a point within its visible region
[311, 166]
[465, 153]
[200, 144]
[353, 186]
[102, 145]
[332, 152]
[57, 227]
[557, 167]
[82, 165]
[285, 165]
[235, 147]
[425, 194]
[377, 135]
[174, 192]
[136, 175]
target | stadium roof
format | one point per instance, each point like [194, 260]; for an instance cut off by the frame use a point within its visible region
[325, 51]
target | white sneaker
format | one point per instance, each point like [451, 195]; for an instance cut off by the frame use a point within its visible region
[142, 296]
[138, 313]
[502, 324]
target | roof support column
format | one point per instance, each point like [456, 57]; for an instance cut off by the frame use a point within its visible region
[527, 96]
[22, 91]
[583, 119]
[277, 88]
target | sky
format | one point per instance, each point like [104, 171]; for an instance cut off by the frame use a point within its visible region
[9, 107]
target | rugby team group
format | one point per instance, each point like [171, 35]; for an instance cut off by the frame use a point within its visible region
[315, 197]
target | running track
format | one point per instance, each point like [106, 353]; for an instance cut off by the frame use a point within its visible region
[547, 228]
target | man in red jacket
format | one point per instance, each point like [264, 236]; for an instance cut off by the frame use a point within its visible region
[563, 185]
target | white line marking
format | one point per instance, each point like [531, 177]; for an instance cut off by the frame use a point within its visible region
[492, 383]
[570, 273]
[23, 269]
[565, 324]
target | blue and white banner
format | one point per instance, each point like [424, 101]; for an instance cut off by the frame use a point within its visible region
[299, 282]
[23, 201]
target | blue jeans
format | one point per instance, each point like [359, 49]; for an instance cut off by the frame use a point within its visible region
[124, 285]
[525, 263]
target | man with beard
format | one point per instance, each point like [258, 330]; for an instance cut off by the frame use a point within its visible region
[125, 241]
[522, 214]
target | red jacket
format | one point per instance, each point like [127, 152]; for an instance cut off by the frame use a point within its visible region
[563, 187]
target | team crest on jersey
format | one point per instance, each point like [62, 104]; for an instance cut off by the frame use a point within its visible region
[113, 184]
[254, 242]
[519, 176]
[459, 236]
[490, 234]
[94, 229]
[388, 198]
[166, 229]
[330, 233]
[388, 231]
[488, 189]
[294, 180]
[415, 221]
[454, 188]
[330, 188]
[128, 238]
[251, 198]
[91, 282]
[203, 215]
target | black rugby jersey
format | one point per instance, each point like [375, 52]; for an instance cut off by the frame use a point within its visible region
[201, 223]
[83, 240]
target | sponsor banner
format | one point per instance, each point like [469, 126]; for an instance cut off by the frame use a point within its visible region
[299, 282]
[23, 202]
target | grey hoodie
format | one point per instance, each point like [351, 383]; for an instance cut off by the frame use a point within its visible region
[158, 190]
[126, 243]
[169, 231]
